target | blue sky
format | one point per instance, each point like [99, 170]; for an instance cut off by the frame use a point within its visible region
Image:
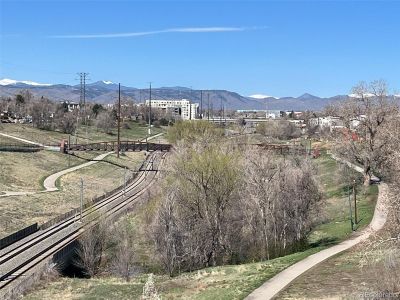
[251, 47]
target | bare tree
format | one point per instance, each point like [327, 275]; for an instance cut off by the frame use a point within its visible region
[124, 249]
[260, 171]
[365, 115]
[92, 245]
[42, 112]
[167, 234]
[222, 205]
[105, 122]
[279, 129]
[66, 121]
[284, 196]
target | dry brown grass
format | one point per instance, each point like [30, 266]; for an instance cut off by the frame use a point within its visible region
[24, 171]
[20, 211]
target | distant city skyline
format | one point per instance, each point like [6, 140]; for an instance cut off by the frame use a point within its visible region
[252, 48]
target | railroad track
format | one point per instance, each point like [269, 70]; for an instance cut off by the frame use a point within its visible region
[17, 260]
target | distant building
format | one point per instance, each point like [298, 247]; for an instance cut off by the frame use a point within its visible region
[330, 122]
[180, 108]
[354, 123]
[71, 105]
[259, 113]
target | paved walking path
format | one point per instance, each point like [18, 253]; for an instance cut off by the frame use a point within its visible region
[50, 182]
[7, 194]
[277, 283]
[51, 148]
[20, 139]
[153, 136]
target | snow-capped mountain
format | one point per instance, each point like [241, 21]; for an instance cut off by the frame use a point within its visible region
[7, 81]
[106, 91]
[261, 96]
[358, 96]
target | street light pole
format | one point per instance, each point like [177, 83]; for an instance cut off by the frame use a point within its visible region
[125, 181]
[81, 200]
[349, 197]
[149, 133]
[355, 201]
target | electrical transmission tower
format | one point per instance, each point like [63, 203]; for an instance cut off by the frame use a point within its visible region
[83, 78]
[82, 99]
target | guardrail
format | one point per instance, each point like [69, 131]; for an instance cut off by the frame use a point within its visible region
[19, 235]
[20, 148]
[123, 146]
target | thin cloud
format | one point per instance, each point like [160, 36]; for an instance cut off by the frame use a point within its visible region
[144, 33]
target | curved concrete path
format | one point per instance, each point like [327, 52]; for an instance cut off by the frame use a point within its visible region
[277, 283]
[50, 182]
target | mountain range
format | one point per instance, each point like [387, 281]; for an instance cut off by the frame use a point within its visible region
[104, 92]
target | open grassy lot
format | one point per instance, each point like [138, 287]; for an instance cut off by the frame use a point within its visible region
[21, 171]
[339, 277]
[85, 134]
[20, 211]
[226, 282]
[335, 215]
[8, 141]
[343, 275]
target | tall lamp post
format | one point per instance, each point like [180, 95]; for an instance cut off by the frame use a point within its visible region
[149, 132]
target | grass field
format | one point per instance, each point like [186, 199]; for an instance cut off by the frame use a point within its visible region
[335, 225]
[9, 141]
[20, 211]
[343, 276]
[85, 134]
[340, 276]
[226, 282]
[24, 171]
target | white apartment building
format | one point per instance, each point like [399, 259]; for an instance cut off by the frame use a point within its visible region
[185, 109]
[330, 122]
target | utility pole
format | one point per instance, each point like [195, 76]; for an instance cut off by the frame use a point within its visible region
[208, 106]
[349, 198]
[220, 115]
[81, 200]
[69, 155]
[201, 104]
[119, 119]
[355, 201]
[212, 111]
[149, 133]
[125, 181]
[223, 114]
